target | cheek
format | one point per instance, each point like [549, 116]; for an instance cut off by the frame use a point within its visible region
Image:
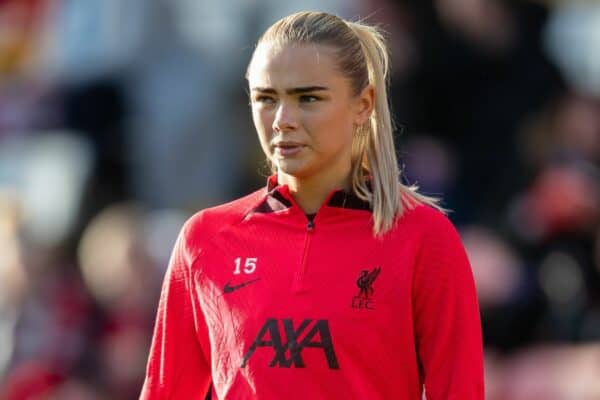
[263, 123]
[335, 128]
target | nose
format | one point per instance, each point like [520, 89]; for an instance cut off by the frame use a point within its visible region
[285, 119]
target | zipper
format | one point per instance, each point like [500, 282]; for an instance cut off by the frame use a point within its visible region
[310, 227]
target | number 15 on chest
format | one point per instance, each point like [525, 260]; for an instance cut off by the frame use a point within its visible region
[248, 265]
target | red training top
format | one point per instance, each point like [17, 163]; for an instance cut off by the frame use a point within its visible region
[267, 304]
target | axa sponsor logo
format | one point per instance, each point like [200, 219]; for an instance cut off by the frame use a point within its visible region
[289, 342]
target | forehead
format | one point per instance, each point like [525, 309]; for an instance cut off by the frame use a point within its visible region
[293, 65]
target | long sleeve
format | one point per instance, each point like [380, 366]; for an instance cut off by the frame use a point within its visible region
[446, 316]
[178, 367]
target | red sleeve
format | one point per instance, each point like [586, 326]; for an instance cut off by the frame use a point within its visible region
[177, 366]
[446, 315]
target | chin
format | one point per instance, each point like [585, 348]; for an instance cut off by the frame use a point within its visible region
[293, 168]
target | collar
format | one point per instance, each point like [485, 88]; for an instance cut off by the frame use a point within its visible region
[278, 197]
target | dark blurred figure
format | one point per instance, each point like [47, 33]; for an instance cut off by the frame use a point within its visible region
[478, 70]
[97, 110]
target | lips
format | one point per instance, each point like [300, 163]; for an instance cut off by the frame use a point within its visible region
[286, 149]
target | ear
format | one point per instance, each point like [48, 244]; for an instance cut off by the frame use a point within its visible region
[364, 103]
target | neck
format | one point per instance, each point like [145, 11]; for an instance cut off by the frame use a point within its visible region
[310, 193]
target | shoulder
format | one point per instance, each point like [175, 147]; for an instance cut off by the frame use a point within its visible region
[438, 243]
[427, 222]
[206, 223]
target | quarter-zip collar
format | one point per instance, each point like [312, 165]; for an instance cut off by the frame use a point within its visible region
[278, 198]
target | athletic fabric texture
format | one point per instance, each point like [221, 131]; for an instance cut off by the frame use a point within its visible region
[267, 305]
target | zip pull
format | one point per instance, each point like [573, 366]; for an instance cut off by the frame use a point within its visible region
[311, 221]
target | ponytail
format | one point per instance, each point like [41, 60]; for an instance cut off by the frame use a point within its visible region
[377, 155]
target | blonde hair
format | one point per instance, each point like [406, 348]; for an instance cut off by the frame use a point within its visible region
[362, 55]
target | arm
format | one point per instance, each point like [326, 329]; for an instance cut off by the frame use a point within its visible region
[446, 316]
[177, 366]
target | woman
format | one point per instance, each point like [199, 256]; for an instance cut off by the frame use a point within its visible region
[335, 281]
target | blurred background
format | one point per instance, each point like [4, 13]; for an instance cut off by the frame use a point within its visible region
[119, 119]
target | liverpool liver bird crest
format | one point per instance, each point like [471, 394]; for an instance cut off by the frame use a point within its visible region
[365, 282]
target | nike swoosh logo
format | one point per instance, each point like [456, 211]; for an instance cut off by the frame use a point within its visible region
[228, 288]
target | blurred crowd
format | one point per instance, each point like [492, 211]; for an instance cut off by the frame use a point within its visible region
[119, 119]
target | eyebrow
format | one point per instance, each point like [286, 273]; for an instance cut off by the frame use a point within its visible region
[292, 91]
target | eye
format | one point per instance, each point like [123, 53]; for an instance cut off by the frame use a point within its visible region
[308, 98]
[264, 99]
